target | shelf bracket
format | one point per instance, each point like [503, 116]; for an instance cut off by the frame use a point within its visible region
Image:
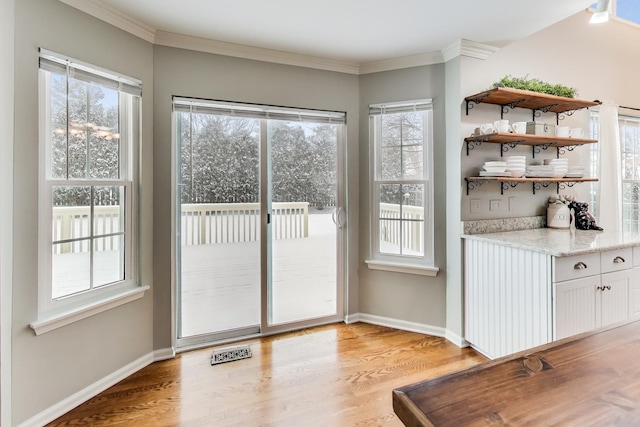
[471, 101]
[537, 149]
[475, 143]
[537, 186]
[472, 185]
[564, 149]
[505, 185]
[565, 184]
[506, 146]
[504, 109]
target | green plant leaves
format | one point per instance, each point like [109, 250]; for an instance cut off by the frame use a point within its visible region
[536, 85]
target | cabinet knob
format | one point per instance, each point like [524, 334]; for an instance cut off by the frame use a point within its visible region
[618, 260]
[580, 266]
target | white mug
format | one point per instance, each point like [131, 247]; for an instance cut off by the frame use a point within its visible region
[563, 131]
[577, 133]
[486, 128]
[501, 126]
[519, 127]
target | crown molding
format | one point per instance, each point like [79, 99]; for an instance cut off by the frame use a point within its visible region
[468, 48]
[249, 52]
[401, 62]
[105, 13]
[101, 11]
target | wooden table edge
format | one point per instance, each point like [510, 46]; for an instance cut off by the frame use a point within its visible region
[408, 412]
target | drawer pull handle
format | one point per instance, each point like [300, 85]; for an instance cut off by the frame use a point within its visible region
[618, 260]
[580, 266]
[603, 288]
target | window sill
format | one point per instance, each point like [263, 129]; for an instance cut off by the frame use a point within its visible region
[402, 268]
[59, 320]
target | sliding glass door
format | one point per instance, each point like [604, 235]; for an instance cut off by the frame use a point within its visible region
[258, 219]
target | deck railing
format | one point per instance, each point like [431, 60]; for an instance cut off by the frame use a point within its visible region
[202, 224]
[210, 223]
[412, 230]
[72, 222]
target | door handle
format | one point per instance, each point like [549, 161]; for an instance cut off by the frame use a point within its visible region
[336, 216]
[618, 260]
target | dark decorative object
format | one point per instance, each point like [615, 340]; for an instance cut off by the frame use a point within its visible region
[582, 218]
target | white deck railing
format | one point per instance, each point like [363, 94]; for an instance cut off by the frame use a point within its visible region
[205, 224]
[410, 235]
[72, 222]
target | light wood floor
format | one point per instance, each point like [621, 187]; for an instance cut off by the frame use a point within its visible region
[334, 375]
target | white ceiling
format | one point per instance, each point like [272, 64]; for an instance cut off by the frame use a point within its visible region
[358, 31]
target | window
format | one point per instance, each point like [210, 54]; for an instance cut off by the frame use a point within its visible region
[630, 151]
[401, 139]
[89, 130]
[626, 10]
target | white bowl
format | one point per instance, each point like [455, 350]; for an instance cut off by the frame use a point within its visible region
[517, 173]
[495, 168]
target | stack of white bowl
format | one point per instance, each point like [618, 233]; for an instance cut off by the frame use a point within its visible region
[494, 168]
[516, 165]
[552, 168]
[560, 166]
[575, 172]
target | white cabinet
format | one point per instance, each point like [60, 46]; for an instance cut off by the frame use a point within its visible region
[516, 298]
[599, 296]
[585, 304]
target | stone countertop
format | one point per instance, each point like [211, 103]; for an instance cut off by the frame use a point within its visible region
[561, 242]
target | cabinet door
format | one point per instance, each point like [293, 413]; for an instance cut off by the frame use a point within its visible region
[634, 292]
[575, 306]
[614, 297]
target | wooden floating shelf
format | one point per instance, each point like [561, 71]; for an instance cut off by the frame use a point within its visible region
[506, 182]
[528, 139]
[526, 99]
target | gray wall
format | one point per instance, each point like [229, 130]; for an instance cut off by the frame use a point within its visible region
[195, 74]
[406, 297]
[50, 367]
[6, 203]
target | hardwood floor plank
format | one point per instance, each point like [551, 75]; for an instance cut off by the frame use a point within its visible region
[333, 375]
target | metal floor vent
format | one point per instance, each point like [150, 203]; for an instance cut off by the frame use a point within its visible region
[230, 354]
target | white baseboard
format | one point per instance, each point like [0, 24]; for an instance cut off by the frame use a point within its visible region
[403, 325]
[164, 354]
[96, 388]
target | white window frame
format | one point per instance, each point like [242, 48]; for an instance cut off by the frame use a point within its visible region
[628, 223]
[404, 263]
[57, 312]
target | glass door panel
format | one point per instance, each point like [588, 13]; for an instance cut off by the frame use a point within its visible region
[219, 247]
[303, 234]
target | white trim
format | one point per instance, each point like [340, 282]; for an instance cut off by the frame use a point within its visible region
[468, 48]
[99, 10]
[403, 325]
[456, 339]
[418, 60]
[94, 389]
[249, 52]
[56, 321]
[164, 354]
[105, 13]
[402, 268]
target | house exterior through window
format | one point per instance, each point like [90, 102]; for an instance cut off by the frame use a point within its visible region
[89, 133]
[402, 221]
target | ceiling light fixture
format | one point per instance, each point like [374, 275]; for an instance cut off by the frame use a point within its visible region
[601, 13]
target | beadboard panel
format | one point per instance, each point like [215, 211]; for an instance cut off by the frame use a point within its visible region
[507, 298]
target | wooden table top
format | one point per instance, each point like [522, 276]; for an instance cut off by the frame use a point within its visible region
[592, 379]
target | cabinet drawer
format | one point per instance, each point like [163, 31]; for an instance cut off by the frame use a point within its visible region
[636, 256]
[615, 260]
[575, 267]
